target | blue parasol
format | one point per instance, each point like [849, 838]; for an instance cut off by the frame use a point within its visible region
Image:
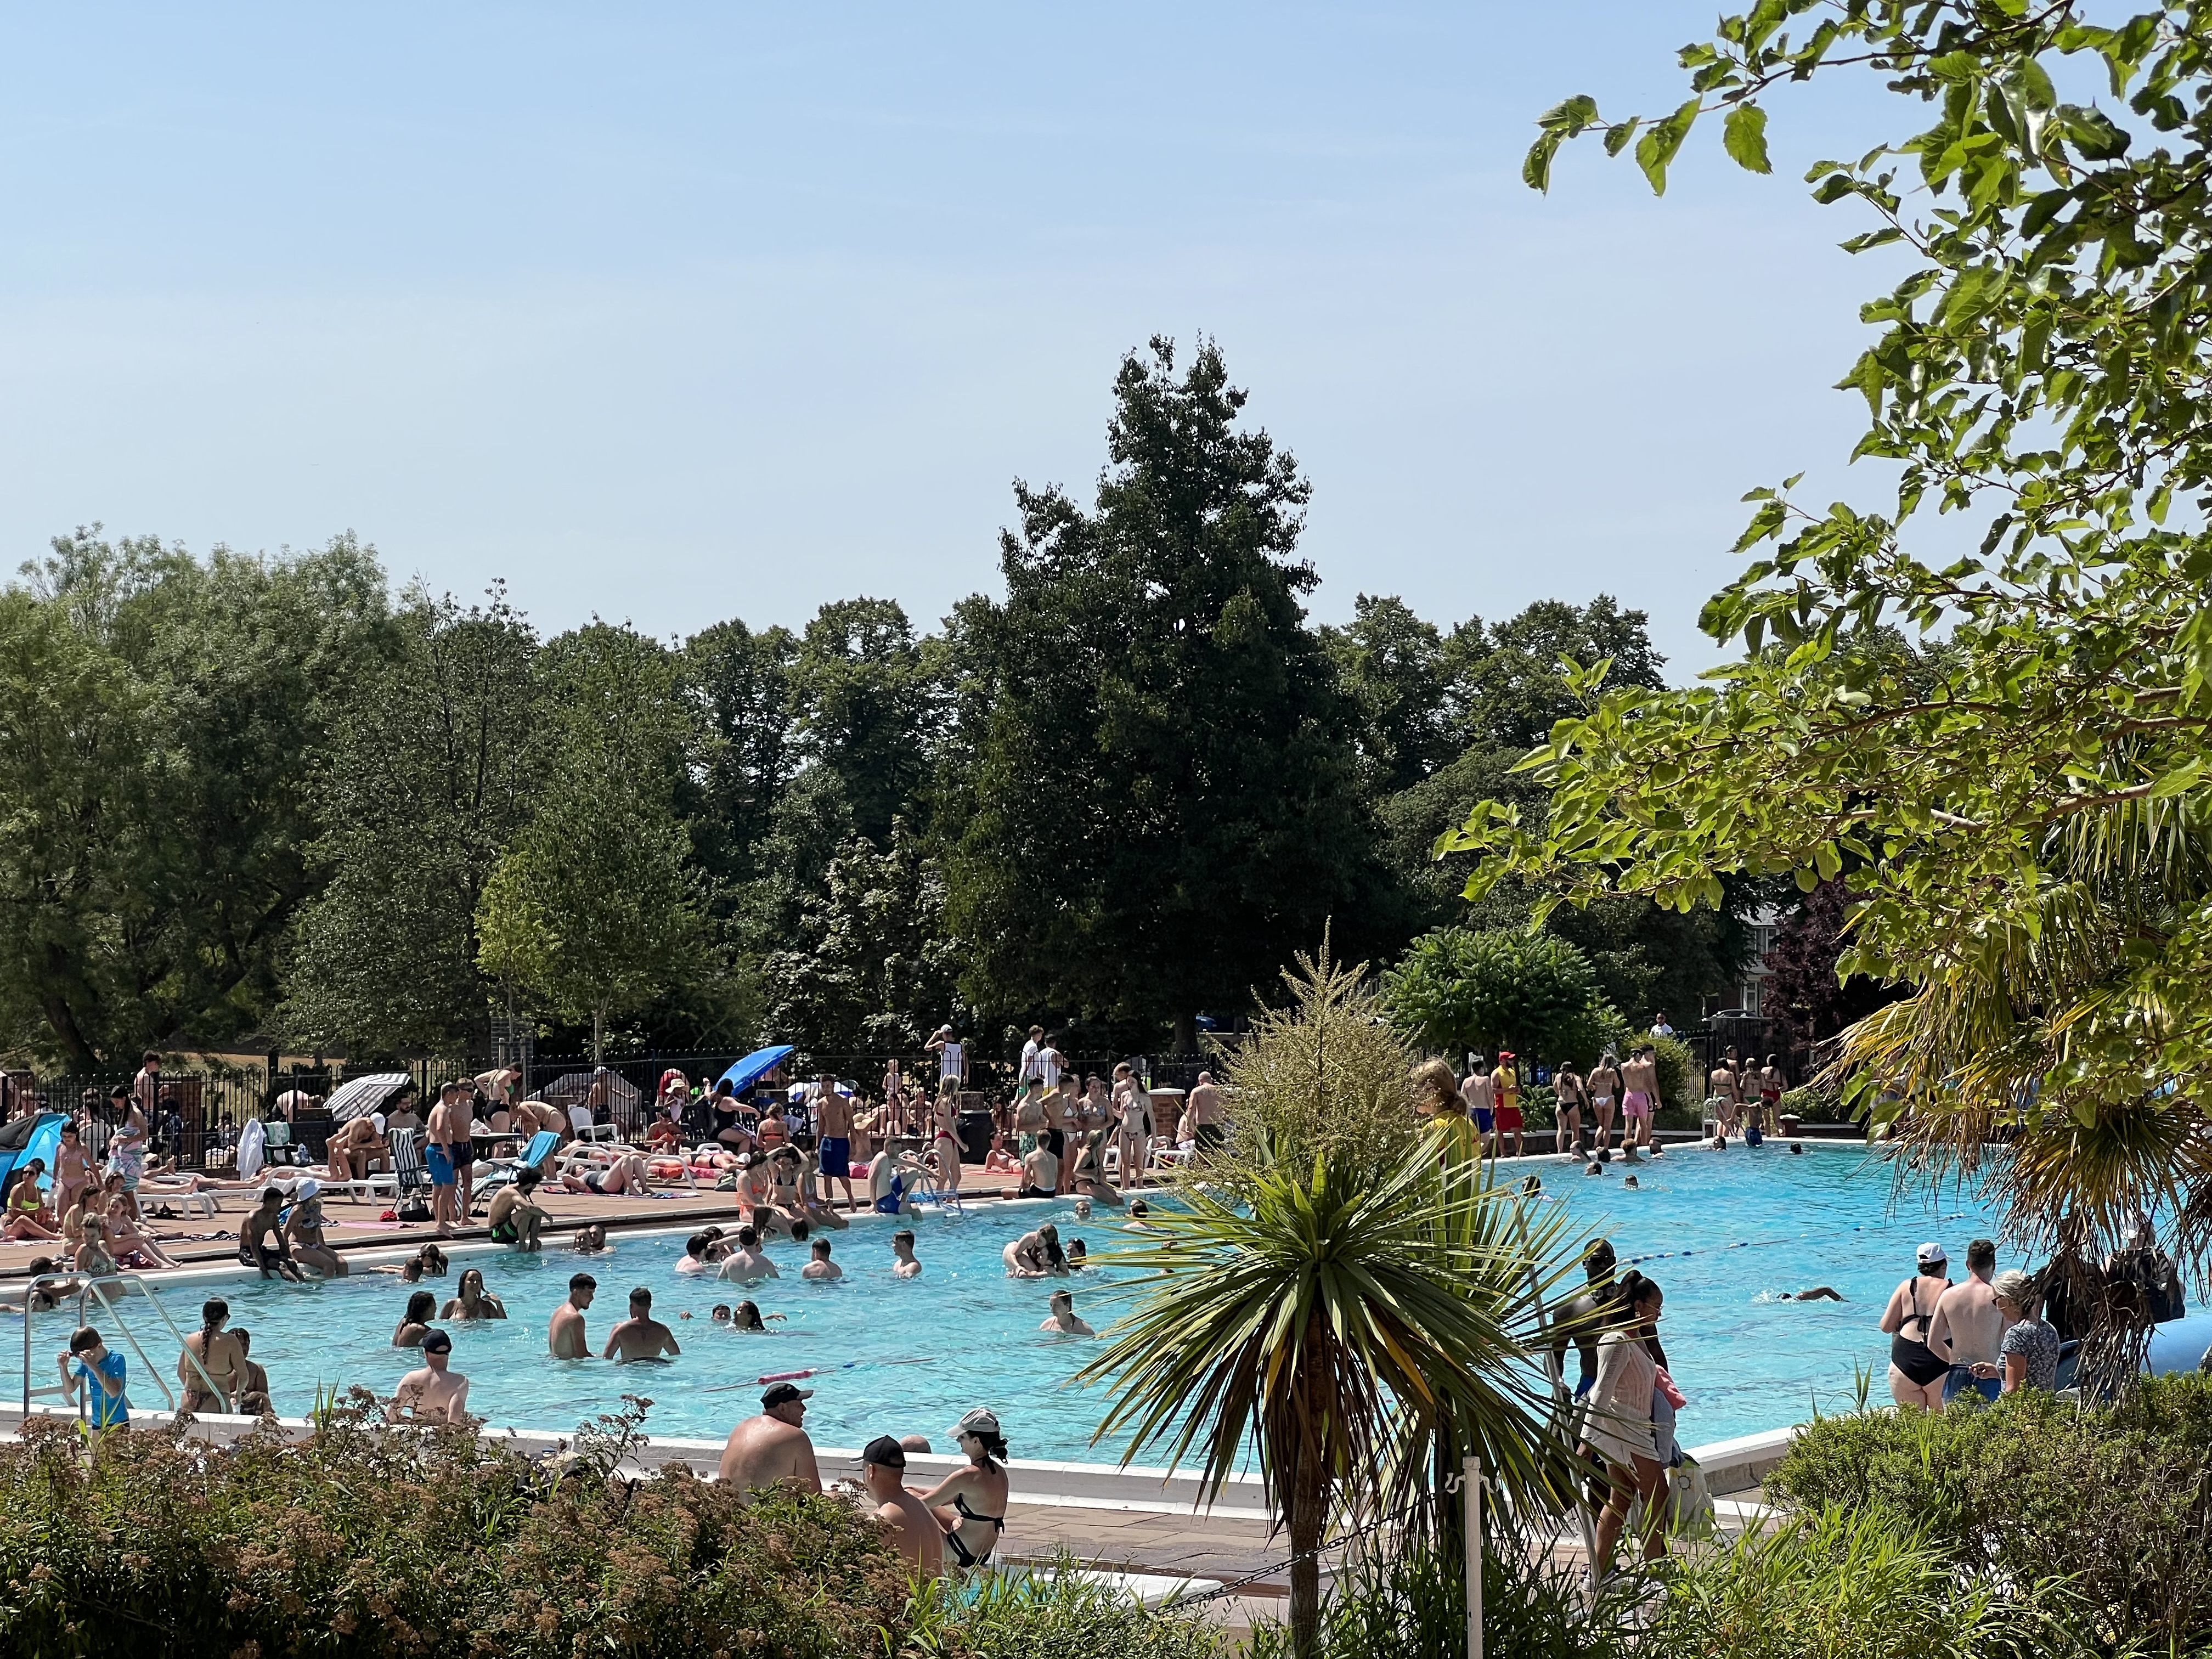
[755, 1066]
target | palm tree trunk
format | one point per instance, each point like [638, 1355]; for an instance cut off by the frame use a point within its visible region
[1309, 1506]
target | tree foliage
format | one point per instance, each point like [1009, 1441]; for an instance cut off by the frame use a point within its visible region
[160, 718]
[2025, 816]
[429, 773]
[1167, 801]
[1455, 990]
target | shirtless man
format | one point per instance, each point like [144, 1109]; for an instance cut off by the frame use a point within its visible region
[514, 1218]
[1478, 1092]
[641, 1336]
[1062, 1317]
[1605, 1096]
[352, 1147]
[1205, 1109]
[772, 1449]
[904, 1263]
[261, 1239]
[1639, 1082]
[447, 1154]
[565, 1336]
[1967, 1329]
[433, 1394]
[748, 1264]
[912, 1527]
[1063, 1114]
[1040, 1174]
[702, 1251]
[822, 1267]
[837, 1149]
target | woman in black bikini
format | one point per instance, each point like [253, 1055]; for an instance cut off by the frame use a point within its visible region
[976, 1512]
[1915, 1372]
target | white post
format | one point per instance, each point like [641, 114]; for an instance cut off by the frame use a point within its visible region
[1470, 1479]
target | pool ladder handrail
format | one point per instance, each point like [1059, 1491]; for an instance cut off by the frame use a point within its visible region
[92, 1289]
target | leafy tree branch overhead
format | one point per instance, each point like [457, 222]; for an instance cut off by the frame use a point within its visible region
[2012, 790]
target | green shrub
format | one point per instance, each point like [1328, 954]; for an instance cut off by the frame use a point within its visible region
[1839, 1583]
[2117, 1501]
[359, 1542]
[1814, 1105]
[1681, 1084]
[1054, 1614]
[1414, 1602]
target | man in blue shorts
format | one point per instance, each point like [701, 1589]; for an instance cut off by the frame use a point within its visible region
[834, 1112]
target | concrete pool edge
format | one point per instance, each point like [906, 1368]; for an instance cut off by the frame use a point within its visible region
[1731, 1465]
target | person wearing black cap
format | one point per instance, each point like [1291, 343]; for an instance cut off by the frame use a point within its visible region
[912, 1527]
[772, 1449]
[434, 1394]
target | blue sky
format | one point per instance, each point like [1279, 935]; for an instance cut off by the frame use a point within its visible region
[680, 312]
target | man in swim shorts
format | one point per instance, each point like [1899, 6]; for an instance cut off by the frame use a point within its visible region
[446, 1152]
[514, 1218]
[1505, 1090]
[837, 1149]
[1476, 1090]
[1639, 1099]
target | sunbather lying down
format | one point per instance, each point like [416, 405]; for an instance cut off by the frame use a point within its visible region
[624, 1173]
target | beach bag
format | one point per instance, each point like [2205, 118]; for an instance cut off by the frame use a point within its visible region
[1689, 1501]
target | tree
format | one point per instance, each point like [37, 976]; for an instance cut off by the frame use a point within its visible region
[1455, 990]
[1507, 684]
[1804, 997]
[864, 698]
[161, 717]
[2029, 816]
[1167, 801]
[868, 966]
[428, 778]
[1393, 663]
[594, 911]
[1336, 1323]
[740, 684]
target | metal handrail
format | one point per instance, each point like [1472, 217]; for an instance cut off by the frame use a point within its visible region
[90, 1289]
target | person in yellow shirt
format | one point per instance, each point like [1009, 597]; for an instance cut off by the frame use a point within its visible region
[1436, 1099]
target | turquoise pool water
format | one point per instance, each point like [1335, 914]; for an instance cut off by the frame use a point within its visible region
[1724, 1232]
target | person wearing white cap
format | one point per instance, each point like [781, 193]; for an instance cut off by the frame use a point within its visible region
[772, 1449]
[303, 1232]
[971, 1502]
[1917, 1375]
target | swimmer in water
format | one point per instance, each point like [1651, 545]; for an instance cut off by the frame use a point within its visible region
[1079, 1256]
[822, 1266]
[474, 1302]
[904, 1265]
[590, 1240]
[1062, 1317]
[1818, 1293]
[1631, 1181]
[1592, 1169]
[1797, 1149]
[641, 1336]
[746, 1316]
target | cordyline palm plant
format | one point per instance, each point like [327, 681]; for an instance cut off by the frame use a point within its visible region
[1355, 1330]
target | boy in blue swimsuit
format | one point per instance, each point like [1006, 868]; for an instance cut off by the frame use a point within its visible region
[105, 1372]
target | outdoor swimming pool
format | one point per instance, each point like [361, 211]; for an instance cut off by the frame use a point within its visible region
[1726, 1233]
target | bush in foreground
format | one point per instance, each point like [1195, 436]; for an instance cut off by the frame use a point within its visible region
[391, 1545]
[2115, 1502]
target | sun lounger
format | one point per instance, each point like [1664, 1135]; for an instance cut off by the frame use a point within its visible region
[536, 1156]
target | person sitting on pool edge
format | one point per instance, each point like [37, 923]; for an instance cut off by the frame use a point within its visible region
[971, 1502]
[911, 1525]
[514, 1218]
[772, 1449]
[1040, 1174]
[641, 1336]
